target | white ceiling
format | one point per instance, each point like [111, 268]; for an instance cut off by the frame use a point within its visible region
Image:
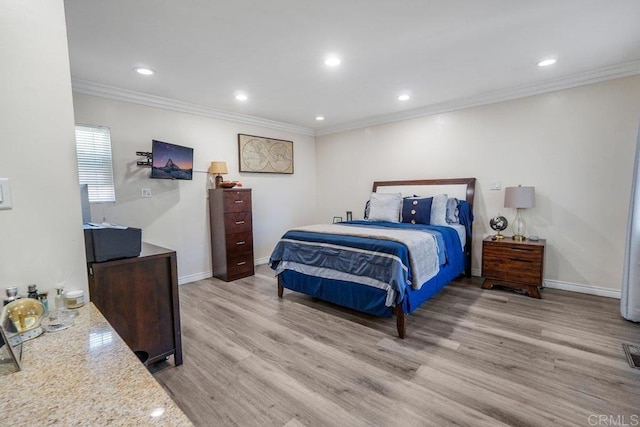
[447, 54]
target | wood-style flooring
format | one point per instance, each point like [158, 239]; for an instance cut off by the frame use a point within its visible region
[472, 357]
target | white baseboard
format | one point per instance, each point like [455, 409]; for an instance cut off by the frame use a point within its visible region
[207, 274]
[261, 261]
[572, 287]
[194, 277]
[583, 289]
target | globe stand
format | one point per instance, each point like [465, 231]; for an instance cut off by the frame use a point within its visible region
[499, 235]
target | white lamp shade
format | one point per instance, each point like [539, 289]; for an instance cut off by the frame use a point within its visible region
[519, 197]
[218, 167]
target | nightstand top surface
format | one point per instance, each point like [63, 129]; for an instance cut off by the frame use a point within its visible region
[509, 240]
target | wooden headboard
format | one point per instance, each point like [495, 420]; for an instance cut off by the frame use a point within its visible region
[461, 188]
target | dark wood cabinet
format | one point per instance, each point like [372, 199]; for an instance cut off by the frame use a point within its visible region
[231, 233]
[513, 264]
[139, 298]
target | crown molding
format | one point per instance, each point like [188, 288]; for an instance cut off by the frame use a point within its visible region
[566, 82]
[98, 89]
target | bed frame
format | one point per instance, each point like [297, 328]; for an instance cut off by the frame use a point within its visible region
[461, 188]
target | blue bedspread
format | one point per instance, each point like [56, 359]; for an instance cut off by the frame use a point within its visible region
[381, 265]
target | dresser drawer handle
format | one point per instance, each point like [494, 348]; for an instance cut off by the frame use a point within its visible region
[240, 243]
[239, 222]
[520, 260]
[522, 249]
[238, 201]
[242, 263]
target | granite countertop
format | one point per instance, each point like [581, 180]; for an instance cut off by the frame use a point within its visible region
[84, 375]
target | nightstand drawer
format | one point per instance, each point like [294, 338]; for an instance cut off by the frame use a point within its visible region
[237, 201]
[237, 222]
[509, 250]
[513, 270]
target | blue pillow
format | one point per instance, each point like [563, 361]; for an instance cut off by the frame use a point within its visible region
[416, 210]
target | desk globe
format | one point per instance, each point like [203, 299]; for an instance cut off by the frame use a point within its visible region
[498, 223]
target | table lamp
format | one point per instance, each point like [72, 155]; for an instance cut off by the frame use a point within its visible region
[519, 198]
[218, 168]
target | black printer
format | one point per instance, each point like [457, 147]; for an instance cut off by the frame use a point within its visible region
[104, 242]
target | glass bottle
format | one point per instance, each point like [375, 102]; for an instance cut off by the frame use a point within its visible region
[42, 296]
[60, 304]
[12, 295]
[33, 292]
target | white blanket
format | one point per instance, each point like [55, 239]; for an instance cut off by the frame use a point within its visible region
[423, 247]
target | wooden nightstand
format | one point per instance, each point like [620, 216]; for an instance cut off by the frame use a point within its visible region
[518, 265]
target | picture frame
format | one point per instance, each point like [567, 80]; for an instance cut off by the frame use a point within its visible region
[10, 346]
[259, 154]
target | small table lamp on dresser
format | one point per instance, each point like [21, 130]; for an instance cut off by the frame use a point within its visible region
[218, 168]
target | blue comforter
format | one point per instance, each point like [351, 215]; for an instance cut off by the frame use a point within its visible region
[382, 264]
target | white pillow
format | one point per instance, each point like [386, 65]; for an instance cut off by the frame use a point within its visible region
[439, 210]
[385, 207]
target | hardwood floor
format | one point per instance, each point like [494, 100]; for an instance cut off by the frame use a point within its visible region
[471, 357]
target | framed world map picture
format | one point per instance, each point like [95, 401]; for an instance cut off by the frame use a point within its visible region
[259, 154]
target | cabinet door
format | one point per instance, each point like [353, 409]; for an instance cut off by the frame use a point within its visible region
[136, 299]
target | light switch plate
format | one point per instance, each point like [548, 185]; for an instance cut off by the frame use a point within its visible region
[496, 186]
[5, 194]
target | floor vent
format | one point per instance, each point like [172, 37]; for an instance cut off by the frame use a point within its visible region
[633, 355]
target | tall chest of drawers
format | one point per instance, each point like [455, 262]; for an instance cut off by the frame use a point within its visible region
[231, 233]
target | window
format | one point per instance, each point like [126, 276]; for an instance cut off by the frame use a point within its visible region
[95, 167]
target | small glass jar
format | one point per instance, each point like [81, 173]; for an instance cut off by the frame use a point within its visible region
[12, 295]
[33, 292]
[74, 299]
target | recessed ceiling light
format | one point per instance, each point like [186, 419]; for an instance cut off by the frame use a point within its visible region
[144, 71]
[546, 62]
[332, 61]
[319, 118]
[241, 97]
[404, 97]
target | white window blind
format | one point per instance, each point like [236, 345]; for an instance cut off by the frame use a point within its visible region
[95, 167]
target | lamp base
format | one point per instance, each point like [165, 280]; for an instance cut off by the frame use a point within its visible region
[518, 227]
[218, 181]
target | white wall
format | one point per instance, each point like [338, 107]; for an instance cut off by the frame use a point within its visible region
[41, 238]
[575, 146]
[176, 216]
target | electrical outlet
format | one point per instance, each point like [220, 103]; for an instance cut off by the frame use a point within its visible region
[146, 192]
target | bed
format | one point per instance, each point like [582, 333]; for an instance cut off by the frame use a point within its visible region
[381, 266]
